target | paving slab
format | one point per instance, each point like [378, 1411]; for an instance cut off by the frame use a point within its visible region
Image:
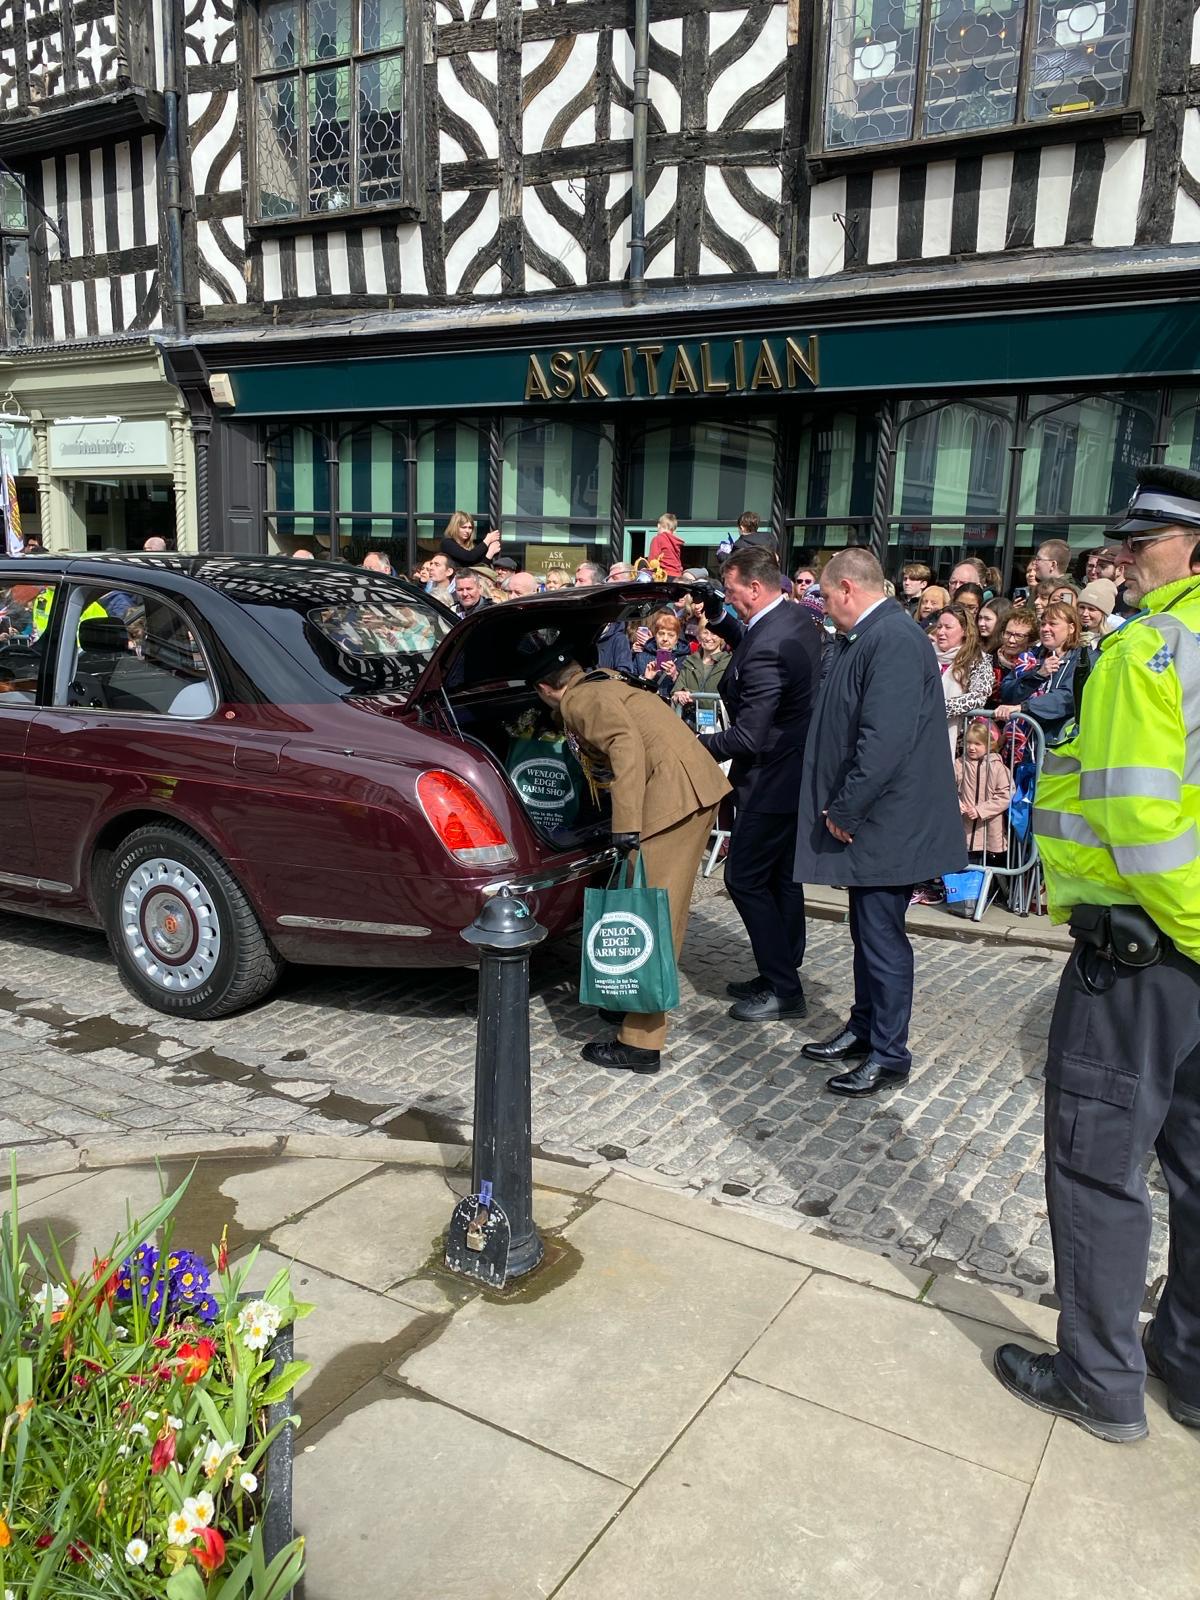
[609, 1366]
[777, 1237]
[913, 1370]
[976, 1300]
[350, 1338]
[87, 1218]
[399, 1496]
[1108, 1522]
[379, 1231]
[768, 1497]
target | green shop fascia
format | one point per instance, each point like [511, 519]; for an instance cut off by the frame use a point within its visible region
[929, 437]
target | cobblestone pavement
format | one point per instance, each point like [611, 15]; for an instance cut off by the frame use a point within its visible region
[946, 1172]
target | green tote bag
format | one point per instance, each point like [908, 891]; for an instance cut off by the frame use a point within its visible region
[628, 958]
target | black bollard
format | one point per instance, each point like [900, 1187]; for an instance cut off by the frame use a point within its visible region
[492, 1235]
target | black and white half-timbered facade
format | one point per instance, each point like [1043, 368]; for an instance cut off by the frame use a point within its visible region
[921, 272]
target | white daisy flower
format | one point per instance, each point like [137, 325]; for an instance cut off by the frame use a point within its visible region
[248, 1482]
[136, 1552]
[139, 1428]
[120, 1333]
[150, 1416]
[180, 1528]
[201, 1508]
[57, 1296]
[174, 1422]
[214, 1454]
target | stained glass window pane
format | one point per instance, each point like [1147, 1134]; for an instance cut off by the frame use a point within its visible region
[17, 294]
[973, 64]
[380, 130]
[871, 71]
[382, 24]
[279, 29]
[328, 29]
[12, 206]
[329, 139]
[1081, 56]
[276, 143]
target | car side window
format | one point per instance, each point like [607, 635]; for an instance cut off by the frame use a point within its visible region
[129, 650]
[24, 617]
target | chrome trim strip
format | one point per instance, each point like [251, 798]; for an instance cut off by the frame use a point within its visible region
[580, 869]
[395, 930]
[14, 880]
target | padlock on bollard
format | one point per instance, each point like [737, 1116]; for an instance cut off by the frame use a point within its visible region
[492, 1236]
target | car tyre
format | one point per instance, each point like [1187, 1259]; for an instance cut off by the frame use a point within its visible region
[185, 938]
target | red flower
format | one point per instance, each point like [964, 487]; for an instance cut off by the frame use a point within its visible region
[161, 1344]
[223, 1250]
[211, 1551]
[195, 1359]
[109, 1292]
[163, 1452]
[78, 1550]
[44, 1541]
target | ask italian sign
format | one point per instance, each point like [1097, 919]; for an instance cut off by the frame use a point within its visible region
[654, 368]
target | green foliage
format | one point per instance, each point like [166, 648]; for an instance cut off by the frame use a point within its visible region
[134, 1433]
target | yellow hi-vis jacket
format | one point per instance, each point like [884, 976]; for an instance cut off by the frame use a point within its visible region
[1117, 809]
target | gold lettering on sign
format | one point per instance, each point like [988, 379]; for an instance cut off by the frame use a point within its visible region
[536, 387]
[801, 361]
[627, 368]
[739, 363]
[562, 365]
[589, 383]
[683, 374]
[648, 353]
[766, 369]
[711, 385]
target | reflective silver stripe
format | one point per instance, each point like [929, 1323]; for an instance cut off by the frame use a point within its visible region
[1131, 783]
[1064, 825]
[1056, 766]
[1134, 859]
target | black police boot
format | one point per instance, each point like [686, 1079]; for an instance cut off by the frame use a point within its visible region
[1180, 1410]
[1034, 1379]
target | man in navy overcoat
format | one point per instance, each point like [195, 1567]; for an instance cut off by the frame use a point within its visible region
[878, 808]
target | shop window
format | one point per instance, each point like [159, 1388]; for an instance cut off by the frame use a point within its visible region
[556, 483]
[298, 489]
[835, 469]
[332, 107]
[903, 70]
[1081, 459]
[1183, 430]
[14, 248]
[952, 459]
[452, 475]
[707, 473]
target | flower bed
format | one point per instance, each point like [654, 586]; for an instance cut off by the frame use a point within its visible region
[145, 1408]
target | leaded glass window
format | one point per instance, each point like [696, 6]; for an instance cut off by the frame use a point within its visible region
[328, 106]
[899, 70]
[14, 249]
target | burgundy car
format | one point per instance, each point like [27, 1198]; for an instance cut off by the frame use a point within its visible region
[232, 762]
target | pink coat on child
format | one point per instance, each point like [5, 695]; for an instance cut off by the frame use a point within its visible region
[987, 786]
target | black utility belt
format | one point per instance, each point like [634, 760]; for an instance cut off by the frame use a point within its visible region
[1124, 935]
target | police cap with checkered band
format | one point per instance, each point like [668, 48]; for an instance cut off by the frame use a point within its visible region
[1166, 497]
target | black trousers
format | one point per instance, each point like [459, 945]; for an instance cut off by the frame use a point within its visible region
[1123, 1078]
[883, 973]
[758, 875]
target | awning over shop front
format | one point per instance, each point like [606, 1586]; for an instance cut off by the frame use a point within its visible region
[1053, 347]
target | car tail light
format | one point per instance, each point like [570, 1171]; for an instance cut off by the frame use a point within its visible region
[462, 821]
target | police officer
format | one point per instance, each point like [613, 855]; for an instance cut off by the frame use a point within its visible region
[1117, 819]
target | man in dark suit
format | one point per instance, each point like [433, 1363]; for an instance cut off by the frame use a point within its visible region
[878, 808]
[768, 690]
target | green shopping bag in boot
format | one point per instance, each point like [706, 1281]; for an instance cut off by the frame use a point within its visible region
[627, 962]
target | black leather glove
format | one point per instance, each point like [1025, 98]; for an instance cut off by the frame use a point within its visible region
[626, 843]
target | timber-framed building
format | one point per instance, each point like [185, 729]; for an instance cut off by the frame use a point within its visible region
[921, 272]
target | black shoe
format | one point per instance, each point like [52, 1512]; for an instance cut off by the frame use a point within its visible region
[867, 1078]
[1181, 1411]
[844, 1046]
[766, 1006]
[613, 1018]
[630, 1057]
[1034, 1379]
[747, 991]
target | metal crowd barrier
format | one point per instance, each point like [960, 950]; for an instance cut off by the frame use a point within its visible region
[1022, 748]
[710, 716]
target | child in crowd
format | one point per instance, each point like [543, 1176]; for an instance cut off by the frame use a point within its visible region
[664, 653]
[984, 792]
